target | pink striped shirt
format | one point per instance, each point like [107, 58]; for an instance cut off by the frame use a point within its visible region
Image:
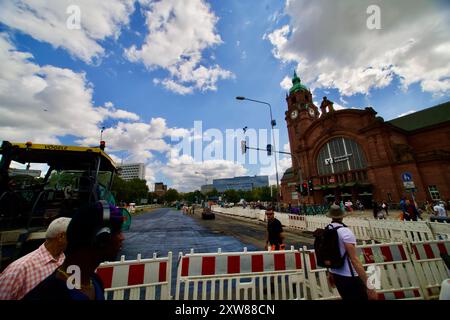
[24, 274]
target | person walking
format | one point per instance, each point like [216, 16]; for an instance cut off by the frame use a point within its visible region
[93, 236]
[384, 206]
[274, 235]
[24, 274]
[350, 279]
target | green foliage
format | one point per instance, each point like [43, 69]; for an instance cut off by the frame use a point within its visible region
[171, 195]
[129, 191]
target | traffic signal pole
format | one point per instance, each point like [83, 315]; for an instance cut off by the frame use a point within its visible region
[245, 147]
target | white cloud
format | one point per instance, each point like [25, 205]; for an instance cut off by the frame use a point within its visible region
[47, 21]
[334, 48]
[178, 32]
[181, 170]
[44, 103]
[286, 83]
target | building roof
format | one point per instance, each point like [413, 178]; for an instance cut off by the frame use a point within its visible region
[424, 118]
[296, 84]
[289, 173]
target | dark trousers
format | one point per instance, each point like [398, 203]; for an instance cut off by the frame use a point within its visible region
[350, 288]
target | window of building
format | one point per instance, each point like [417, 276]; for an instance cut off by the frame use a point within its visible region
[340, 155]
[434, 193]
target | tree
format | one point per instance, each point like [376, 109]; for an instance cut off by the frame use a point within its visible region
[171, 195]
[232, 196]
[129, 191]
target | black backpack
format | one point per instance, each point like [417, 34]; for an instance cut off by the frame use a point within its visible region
[326, 246]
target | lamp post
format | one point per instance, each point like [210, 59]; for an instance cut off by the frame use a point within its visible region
[101, 133]
[272, 124]
[206, 178]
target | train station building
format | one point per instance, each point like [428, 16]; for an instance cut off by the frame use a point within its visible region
[355, 154]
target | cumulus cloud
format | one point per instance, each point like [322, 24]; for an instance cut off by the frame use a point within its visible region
[334, 48]
[44, 103]
[181, 170]
[47, 21]
[178, 32]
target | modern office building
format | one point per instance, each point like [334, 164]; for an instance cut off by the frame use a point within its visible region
[355, 154]
[245, 183]
[130, 171]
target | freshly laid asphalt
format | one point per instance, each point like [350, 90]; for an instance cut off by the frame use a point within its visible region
[164, 230]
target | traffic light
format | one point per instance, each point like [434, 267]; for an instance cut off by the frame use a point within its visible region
[310, 185]
[304, 189]
[243, 146]
[269, 149]
[102, 145]
[297, 188]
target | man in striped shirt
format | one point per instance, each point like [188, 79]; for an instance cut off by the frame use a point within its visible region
[24, 274]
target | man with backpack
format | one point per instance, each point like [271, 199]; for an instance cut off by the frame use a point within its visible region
[335, 248]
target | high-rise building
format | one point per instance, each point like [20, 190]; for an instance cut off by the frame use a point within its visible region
[160, 188]
[245, 183]
[130, 171]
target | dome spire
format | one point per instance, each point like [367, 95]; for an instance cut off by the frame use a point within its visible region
[296, 84]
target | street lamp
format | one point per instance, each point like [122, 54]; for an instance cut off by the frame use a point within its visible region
[272, 124]
[206, 178]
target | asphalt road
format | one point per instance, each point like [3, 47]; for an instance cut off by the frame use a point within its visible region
[165, 230]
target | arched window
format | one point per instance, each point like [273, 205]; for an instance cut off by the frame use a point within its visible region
[340, 155]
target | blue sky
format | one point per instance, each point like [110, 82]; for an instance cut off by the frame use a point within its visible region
[147, 70]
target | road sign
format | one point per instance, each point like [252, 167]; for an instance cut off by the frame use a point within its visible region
[332, 180]
[409, 184]
[406, 176]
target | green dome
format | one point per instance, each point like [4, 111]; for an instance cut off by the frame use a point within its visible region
[296, 84]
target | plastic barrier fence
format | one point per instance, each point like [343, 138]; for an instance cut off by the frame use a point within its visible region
[398, 278]
[441, 230]
[392, 230]
[429, 265]
[297, 222]
[262, 275]
[141, 279]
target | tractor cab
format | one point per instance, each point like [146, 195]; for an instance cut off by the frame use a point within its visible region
[30, 200]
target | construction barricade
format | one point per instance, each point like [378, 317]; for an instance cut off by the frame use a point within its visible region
[397, 276]
[440, 230]
[429, 265]
[297, 222]
[406, 231]
[140, 279]
[262, 275]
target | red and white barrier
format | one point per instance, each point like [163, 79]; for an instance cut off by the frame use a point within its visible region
[148, 279]
[397, 273]
[430, 266]
[262, 275]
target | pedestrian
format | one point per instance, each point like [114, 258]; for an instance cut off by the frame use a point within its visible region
[375, 209]
[439, 210]
[350, 278]
[403, 204]
[349, 205]
[411, 211]
[24, 274]
[384, 206]
[93, 236]
[274, 235]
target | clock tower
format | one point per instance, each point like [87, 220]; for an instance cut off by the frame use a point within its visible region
[300, 114]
